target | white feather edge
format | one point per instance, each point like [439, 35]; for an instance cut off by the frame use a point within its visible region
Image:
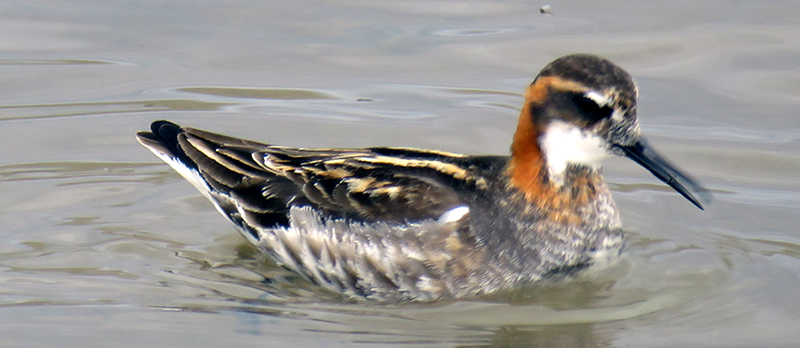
[193, 176]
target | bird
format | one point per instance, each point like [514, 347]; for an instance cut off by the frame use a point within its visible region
[393, 224]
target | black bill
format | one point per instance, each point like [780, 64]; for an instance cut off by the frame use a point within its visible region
[687, 186]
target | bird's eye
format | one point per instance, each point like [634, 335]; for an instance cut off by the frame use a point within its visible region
[590, 109]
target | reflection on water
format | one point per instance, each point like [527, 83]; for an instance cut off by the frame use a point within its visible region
[103, 245]
[257, 93]
[473, 32]
[51, 62]
[27, 112]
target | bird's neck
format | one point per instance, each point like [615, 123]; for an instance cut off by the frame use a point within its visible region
[553, 170]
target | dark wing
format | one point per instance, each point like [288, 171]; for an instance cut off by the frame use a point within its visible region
[389, 184]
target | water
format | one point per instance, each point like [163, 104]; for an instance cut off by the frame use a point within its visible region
[101, 244]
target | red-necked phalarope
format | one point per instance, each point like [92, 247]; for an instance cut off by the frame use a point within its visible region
[403, 224]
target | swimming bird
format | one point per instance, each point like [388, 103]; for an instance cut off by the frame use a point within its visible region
[402, 224]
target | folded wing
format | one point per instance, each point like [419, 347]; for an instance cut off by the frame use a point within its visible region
[378, 184]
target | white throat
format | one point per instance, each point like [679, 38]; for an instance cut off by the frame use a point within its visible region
[564, 144]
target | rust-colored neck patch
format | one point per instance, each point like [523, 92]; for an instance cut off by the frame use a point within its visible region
[527, 169]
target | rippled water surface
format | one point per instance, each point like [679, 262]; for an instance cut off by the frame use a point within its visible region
[101, 244]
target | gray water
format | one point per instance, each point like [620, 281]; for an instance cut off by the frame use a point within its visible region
[101, 244]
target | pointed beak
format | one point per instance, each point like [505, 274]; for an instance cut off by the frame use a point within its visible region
[687, 186]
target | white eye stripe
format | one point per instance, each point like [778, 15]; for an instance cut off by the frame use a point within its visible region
[598, 98]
